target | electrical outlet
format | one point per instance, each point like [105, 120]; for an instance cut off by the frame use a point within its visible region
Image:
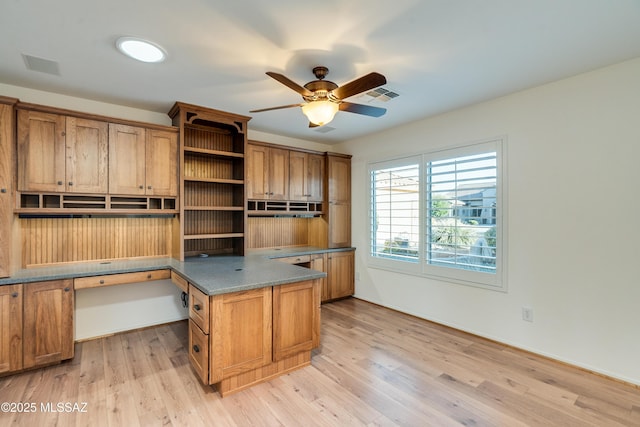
[527, 314]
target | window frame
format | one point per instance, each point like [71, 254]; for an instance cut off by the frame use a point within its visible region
[494, 281]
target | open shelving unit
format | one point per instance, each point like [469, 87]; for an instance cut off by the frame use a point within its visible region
[212, 178]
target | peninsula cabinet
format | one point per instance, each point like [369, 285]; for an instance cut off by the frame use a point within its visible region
[306, 172]
[37, 324]
[61, 154]
[252, 336]
[7, 159]
[267, 172]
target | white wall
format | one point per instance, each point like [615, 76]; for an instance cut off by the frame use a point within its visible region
[573, 156]
[104, 311]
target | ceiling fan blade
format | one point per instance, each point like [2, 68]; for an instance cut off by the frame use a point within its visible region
[276, 108]
[290, 83]
[362, 84]
[366, 110]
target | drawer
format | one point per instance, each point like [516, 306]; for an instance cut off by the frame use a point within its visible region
[199, 351]
[295, 259]
[120, 279]
[199, 308]
[180, 282]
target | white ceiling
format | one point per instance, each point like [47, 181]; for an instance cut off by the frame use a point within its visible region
[438, 55]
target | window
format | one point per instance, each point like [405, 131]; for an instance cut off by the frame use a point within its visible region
[439, 214]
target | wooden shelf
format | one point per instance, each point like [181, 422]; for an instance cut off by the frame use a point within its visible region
[212, 236]
[213, 208]
[216, 180]
[283, 207]
[215, 153]
[63, 203]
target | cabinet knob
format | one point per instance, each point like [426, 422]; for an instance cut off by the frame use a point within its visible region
[60, 182]
[141, 187]
[67, 289]
[149, 187]
[148, 276]
[196, 307]
[14, 295]
[3, 190]
[266, 194]
[196, 348]
[70, 183]
[102, 282]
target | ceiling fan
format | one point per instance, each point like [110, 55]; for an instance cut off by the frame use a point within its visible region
[323, 98]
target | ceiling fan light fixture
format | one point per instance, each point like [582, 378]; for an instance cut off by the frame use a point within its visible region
[141, 50]
[320, 112]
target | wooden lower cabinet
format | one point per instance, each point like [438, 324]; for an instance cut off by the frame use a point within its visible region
[36, 324]
[256, 335]
[340, 274]
[48, 322]
[10, 328]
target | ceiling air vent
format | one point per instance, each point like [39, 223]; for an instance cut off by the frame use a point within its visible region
[382, 94]
[324, 129]
[42, 65]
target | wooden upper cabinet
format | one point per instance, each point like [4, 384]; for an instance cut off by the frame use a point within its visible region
[87, 155]
[127, 159]
[61, 154]
[48, 322]
[267, 173]
[41, 151]
[306, 173]
[339, 200]
[7, 171]
[161, 163]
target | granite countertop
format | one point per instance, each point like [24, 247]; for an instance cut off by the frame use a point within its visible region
[212, 275]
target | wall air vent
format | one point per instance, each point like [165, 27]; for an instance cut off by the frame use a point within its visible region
[42, 65]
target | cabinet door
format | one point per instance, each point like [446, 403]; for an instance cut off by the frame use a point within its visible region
[298, 166]
[48, 322]
[87, 156]
[41, 151]
[339, 197]
[6, 187]
[319, 263]
[126, 160]
[161, 163]
[278, 174]
[315, 178]
[10, 328]
[240, 332]
[340, 274]
[339, 225]
[339, 177]
[296, 318]
[257, 183]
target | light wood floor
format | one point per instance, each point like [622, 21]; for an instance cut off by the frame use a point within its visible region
[375, 367]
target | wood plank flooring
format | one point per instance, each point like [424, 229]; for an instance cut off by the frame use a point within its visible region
[375, 367]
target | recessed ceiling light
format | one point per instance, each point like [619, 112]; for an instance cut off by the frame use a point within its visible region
[141, 50]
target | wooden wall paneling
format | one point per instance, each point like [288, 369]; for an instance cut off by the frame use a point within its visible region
[268, 232]
[61, 240]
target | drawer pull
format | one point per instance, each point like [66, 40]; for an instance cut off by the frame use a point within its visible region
[196, 348]
[148, 276]
[102, 281]
[196, 307]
